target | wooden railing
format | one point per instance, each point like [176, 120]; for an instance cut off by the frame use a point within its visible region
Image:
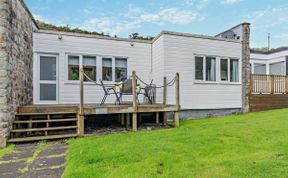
[135, 103]
[269, 84]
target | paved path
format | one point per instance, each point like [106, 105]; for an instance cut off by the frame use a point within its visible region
[34, 161]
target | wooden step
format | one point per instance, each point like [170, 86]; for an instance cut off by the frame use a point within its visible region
[44, 121]
[44, 129]
[30, 139]
[41, 114]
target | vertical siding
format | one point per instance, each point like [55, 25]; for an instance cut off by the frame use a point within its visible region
[139, 59]
[179, 57]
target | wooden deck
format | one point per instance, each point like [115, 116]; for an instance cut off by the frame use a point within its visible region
[95, 109]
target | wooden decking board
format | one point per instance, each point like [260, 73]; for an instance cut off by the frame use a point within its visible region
[44, 121]
[44, 129]
[46, 113]
[30, 139]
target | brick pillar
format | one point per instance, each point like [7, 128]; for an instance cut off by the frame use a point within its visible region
[246, 69]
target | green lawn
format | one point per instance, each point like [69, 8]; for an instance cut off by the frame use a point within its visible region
[252, 145]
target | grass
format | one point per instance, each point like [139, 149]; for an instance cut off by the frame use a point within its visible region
[6, 150]
[252, 145]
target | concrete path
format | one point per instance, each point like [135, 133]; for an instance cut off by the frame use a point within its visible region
[34, 161]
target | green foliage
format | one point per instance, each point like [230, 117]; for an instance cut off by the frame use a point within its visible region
[252, 145]
[138, 37]
[45, 26]
[6, 150]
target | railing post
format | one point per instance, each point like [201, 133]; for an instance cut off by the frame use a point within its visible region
[134, 115]
[177, 94]
[81, 106]
[286, 84]
[164, 99]
[272, 84]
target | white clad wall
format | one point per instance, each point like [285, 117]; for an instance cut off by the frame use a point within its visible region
[179, 57]
[158, 66]
[138, 58]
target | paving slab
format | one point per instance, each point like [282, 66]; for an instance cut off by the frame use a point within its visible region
[9, 167]
[52, 151]
[40, 163]
[45, 173]
[13, 156]
[14, 174]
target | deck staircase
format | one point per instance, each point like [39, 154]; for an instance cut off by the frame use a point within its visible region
[43, 126]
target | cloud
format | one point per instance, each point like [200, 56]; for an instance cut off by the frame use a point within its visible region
[199, 4]
[171, 15]
[229, 1]
[134, 18]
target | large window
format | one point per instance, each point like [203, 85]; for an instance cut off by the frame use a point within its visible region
[234, 70]
[120, 69]
[89, 67]
[210, 69]
[259, 68]
[107, 69]
[277, 68]
[199, 68]
[206, 69]
[224, 69]
[73, 67]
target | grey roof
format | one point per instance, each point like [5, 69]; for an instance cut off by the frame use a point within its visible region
[284, 48]
[136, 40]
[233, 28]
[195, 36]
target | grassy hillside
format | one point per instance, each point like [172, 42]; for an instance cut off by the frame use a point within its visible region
[252, 145]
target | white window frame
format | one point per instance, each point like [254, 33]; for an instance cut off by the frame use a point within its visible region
[218, 70]
[99, 66]
[80, 65]
[204, 69]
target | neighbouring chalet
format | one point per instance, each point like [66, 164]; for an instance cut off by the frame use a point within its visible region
[49, 78]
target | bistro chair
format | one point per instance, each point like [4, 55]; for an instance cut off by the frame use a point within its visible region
[108, 92]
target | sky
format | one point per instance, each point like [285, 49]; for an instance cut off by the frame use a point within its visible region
[150, 17]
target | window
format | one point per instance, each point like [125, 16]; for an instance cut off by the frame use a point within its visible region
[277, 68]
[210, 69]
[259, 68]
[224, 69]
[234, 70]
[199, 68]
[107, 69]
[73, 67]
[89, 67]
[120, 69]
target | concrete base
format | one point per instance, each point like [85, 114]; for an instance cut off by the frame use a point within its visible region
[204, 113]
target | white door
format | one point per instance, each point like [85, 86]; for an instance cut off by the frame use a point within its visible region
[48, 79]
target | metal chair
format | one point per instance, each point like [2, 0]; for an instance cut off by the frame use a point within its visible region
[109, 91]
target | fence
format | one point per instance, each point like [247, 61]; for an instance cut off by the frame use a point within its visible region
[269, 84]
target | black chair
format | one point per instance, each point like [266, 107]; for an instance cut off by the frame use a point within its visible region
[109, 91]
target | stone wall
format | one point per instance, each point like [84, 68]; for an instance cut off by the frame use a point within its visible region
[16, 55]
[246, 68]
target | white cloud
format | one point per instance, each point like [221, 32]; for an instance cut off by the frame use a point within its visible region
[171, 15]
[135, 18]
[229, 1]
[199, 4]
[108, 26]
